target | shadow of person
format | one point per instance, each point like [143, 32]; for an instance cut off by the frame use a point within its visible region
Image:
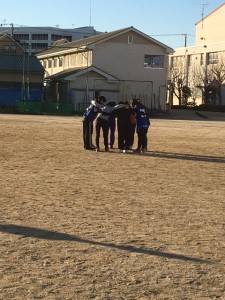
[37, 233]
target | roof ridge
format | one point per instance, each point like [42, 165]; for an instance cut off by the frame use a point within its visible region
[86, 41]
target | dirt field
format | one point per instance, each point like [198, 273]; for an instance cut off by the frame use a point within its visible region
[80, 225]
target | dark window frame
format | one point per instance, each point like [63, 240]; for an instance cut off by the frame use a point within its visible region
[154, 61]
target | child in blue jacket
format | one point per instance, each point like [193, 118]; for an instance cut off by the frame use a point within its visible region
[142, 125]
[88, 119]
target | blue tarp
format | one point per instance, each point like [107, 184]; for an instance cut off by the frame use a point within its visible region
[9, 96]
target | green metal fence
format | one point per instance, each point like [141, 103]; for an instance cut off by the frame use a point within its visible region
[49, 108]
[59, 108]
[80, 108]
[28, 107]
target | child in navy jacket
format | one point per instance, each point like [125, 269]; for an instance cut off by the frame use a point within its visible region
[142, 125]
[88, 119]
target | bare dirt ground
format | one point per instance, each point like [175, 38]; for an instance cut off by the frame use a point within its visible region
[78, 224]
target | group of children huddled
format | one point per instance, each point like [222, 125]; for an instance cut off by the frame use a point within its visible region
[130, 116]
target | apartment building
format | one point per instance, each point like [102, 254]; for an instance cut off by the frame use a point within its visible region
[36, 39]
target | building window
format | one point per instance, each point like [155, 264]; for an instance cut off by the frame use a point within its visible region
[49, 63]
[25, 46]
[39, 46]
[189, 58]
[73, 60]
[69, 38]
[174, 61]
[60, 62]
[21, 36]
[130, 39]
[40, 36]
[212, 58]
[44, 64]
[56, 37]
[154, 61]
[202, 59]
[9, 49]
[55, 62]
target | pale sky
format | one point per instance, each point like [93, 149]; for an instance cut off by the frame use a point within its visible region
[165, 20]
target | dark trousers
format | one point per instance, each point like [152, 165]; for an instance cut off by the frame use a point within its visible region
[87, 134]
[132, 133]
[112, 128]
[123, 137]
[104, 125]
[142, 138]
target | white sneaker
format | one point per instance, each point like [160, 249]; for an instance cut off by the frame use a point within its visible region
[120, 151]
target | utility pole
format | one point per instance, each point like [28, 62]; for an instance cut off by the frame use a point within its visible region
[173, 34]
[203, 11]
[12, 27]
[185, 39]
[12, 30]
[203, 5]
[90, 15]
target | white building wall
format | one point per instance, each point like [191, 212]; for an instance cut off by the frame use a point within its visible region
[127, 64]
[127, 61]
[69, 61]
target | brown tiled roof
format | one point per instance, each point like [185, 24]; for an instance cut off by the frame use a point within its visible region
[94, 39]
[81, 43]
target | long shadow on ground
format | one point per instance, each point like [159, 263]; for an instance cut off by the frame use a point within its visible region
[184, 156]
[33, 232]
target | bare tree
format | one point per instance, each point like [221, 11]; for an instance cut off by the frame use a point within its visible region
[216, 76]
[209, 79]
[196, 81]
[178, 80]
